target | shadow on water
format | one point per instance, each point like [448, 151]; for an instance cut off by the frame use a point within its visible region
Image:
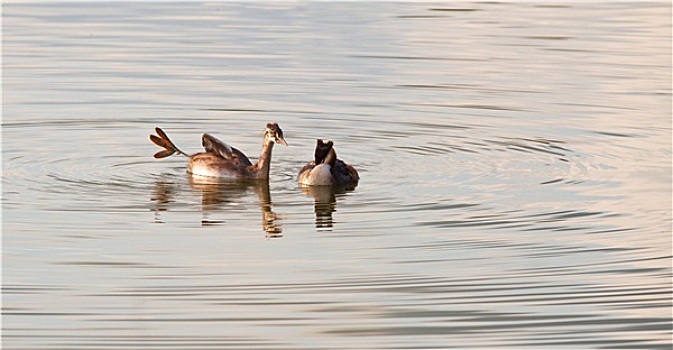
[216, 195]
[325, 202]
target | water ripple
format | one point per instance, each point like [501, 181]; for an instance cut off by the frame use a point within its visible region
[515, 187]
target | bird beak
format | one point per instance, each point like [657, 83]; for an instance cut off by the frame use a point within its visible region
[281, 141]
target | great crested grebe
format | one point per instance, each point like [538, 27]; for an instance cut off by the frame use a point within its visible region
[222, 160]
[326, 169]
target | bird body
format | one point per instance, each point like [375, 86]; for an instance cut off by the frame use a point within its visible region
[317, 175]
[327, 169]
[222, 160]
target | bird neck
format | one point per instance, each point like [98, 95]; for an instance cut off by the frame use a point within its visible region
[264, 161]
[331, 157]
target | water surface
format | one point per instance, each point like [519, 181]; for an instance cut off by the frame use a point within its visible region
[515, 162]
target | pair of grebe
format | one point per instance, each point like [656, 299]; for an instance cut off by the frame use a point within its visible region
[224, 161]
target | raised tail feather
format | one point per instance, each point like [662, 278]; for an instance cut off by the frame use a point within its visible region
[163, 141]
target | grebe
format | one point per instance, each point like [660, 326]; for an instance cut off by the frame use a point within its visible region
[222, 160]
[326, 169]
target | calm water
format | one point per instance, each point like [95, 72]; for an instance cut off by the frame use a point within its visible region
[515, 162]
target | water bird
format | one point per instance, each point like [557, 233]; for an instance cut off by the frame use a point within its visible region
[221, 160]
[327, 169]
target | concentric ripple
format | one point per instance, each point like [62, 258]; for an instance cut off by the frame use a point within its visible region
[515, 176]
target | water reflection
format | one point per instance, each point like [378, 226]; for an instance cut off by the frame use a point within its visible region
[533, 172]
[164, 191]
[325, 198]
[216, 196]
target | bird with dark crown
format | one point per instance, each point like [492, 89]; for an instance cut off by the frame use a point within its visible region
[326, 169]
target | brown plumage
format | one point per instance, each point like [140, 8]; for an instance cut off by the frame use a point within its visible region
[222, 160]
[322, 149]
[327, 169]
[163, 141]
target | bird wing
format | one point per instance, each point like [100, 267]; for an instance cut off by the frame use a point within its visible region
[344, 173]
[217, 147]
[240, 157]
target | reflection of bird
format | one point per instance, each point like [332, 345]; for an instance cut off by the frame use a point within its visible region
[217, 192]
[164, 190]
[222, 160]
[327, 169]
[324, 205]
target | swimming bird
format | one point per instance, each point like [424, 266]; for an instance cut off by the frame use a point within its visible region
[327, 169]
[222, 160]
